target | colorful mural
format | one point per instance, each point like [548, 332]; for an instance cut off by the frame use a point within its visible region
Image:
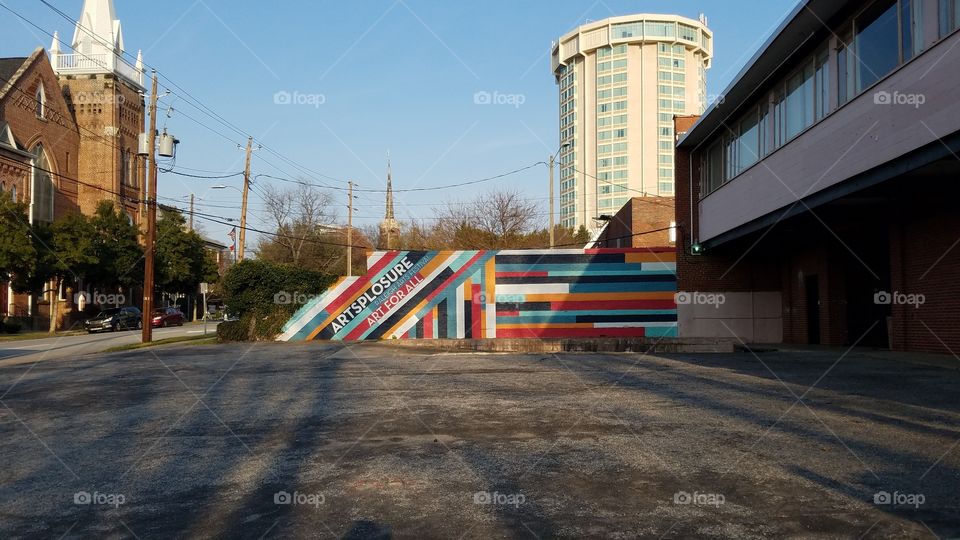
[498, 294]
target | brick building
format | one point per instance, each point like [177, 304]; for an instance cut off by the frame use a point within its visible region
[69, 129]
[641, 222]
[818, 197]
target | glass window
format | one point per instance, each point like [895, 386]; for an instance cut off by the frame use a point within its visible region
[822, 84]
[41, 98]
[748, 142]
[42, 192]
[713, 168]
[627, 30]
[845, 73]
[876, 42]
[949, 16]
[657, 29]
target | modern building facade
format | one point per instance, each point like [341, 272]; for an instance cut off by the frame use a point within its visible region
[621, 81]
[818, 199]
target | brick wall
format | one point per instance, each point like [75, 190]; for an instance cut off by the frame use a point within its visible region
[57, 131]
[639, 215]
[110, 113]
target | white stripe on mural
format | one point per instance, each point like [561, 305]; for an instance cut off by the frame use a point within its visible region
[461, 319]
[408, 324]
[659, 267]
[535, 288]
[320, 305]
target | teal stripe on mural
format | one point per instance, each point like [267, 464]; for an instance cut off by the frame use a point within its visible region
[604, 312]
[660, 331]
[652, 286]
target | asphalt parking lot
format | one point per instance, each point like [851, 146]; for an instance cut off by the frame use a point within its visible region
[279, 441]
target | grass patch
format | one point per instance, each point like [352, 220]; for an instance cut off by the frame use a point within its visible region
[195, 340]
[25, 336]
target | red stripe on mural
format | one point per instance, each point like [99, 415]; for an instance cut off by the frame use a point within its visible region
[508, 314]
[521, 274]
[428, 325]
[611, 304]
[569, 332]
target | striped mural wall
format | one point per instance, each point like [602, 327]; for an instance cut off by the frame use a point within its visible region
[498, 294]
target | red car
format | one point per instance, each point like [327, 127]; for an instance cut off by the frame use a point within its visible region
[167, 317]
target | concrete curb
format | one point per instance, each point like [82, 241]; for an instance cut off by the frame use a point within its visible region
[643, 345]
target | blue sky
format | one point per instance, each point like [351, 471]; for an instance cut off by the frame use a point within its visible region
[397, 75]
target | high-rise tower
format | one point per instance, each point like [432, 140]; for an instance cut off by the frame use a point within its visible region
[389, 227]
[621, 82]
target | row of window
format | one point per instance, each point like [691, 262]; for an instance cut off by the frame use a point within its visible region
[614, 148]
[616, 50]
[612, 134]
[654, 29]
[614, 64]
[869, 47]
[620, 91]
[606, 80]
[619, 161]
[614, 106]
[617, 120]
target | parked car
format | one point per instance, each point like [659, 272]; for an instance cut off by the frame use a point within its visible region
[113, 319]
[167, 317]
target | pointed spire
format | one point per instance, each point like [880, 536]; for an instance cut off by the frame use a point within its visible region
[55, 46]
[139, 65]
[389, 215]
[98, 27]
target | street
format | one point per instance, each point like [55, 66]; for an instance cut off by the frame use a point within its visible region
[273, 440]
[66, 347]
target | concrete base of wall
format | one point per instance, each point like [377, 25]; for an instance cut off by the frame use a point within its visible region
[753, 317]
[641, 345]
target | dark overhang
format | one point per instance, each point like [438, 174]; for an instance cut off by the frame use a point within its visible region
[800, 29]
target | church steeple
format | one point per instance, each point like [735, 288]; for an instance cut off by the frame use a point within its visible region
[97, 45]
[389, 215]
[389, 227]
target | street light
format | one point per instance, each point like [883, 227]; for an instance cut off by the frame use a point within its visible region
[553, 158]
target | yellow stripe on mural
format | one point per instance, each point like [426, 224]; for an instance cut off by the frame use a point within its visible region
[442, 258]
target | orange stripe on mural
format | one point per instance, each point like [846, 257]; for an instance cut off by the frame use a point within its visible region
[650, 257]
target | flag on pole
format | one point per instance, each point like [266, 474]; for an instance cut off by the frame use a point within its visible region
[233, 236]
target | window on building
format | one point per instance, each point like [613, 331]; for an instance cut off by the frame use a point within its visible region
[41, 203]
[628, 30]
[712, 169]
[41, 98]
[666, 188]
[876, 43]
[659, 29]
[821, 84]
[689, 33]
[747, 142]
[949, 16]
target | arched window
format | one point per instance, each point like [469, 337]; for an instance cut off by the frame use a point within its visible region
[41, 102]
[41, 190]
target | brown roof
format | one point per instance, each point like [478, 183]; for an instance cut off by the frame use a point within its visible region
[9, 67]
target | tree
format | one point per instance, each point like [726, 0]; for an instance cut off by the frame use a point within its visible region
[182, 262]
[117, 248]
[17, 252]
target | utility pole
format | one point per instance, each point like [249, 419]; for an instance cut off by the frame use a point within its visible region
[151, 202]
[552, 159]
[243, 209]
[191, 211]
[350, 231]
